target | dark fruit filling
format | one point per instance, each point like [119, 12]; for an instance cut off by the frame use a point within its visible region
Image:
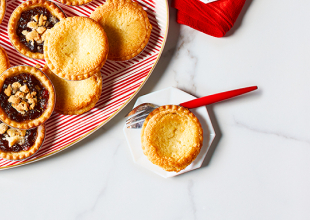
[28, 16]
[34, 85]
[30, 138]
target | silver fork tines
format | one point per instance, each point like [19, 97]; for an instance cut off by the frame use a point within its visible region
[136, 117]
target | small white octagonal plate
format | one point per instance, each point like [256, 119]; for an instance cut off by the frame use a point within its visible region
[170, 96]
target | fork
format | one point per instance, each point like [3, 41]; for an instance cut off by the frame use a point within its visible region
[137, 116]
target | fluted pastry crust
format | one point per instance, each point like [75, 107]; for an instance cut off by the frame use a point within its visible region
[4, 60]
[2, 9]
[28, 124]
[75, 97]
[74, 2]
[171, 137]
[127, 27]
[76, 48]
[26, 153]
[12, 26]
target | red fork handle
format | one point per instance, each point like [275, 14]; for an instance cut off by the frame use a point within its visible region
[210, 99]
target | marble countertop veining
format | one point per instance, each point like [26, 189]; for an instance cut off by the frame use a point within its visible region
[258, 167]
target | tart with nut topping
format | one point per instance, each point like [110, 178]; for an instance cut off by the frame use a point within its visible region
[27, 97]
[18, 144]
[29, 24]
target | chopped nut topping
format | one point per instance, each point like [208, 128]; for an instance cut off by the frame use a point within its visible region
[16, 86]
[21, 107]
[8, 90]
[3, 128]
[14, 99]
[36, 17]
[13, 135]
[20, 97]
[41, 19]
[24, 32]
[12, 132]
[32, 24]
[24, 88]
[41, 30]
[39, 27]
[33, 35]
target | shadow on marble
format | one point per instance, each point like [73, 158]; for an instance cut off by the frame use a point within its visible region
[217, 138]
[216, 126]
[240, 18]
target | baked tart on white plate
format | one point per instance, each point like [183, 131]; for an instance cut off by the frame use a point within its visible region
[171, 137]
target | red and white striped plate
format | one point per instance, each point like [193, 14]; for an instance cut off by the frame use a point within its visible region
[121, 80]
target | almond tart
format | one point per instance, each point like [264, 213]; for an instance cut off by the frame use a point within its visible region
[29, 24]
[2, 9]
[18, 144]
[76, 48]
[127, 27]
[27, 97]
[4, 60]
[171, 137]
[75, 97]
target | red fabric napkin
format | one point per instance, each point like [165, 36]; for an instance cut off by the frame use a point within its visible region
[215, 18]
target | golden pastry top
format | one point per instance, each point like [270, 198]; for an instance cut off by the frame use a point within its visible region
[127, 27]
[75, 97]
[171, 137]
[76, 48]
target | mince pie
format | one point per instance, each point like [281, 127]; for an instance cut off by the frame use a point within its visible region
[29, 24]
[76, 48]
[4, 60]
[127, 27]
[171, 137]
[75, 97]
[2, 9]
[18, 144]
[27, 97]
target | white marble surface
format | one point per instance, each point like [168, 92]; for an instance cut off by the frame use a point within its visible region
[258, 166]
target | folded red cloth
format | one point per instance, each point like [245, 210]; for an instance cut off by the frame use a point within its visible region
[215, 18]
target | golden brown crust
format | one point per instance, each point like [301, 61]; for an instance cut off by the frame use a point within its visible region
[32, 150]
[20, 47]
[127, 27]
[75, 97]
[76, 48]
[4, 60]
[2, 9]
[75, 2]
[28, 124]
[171, 137]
